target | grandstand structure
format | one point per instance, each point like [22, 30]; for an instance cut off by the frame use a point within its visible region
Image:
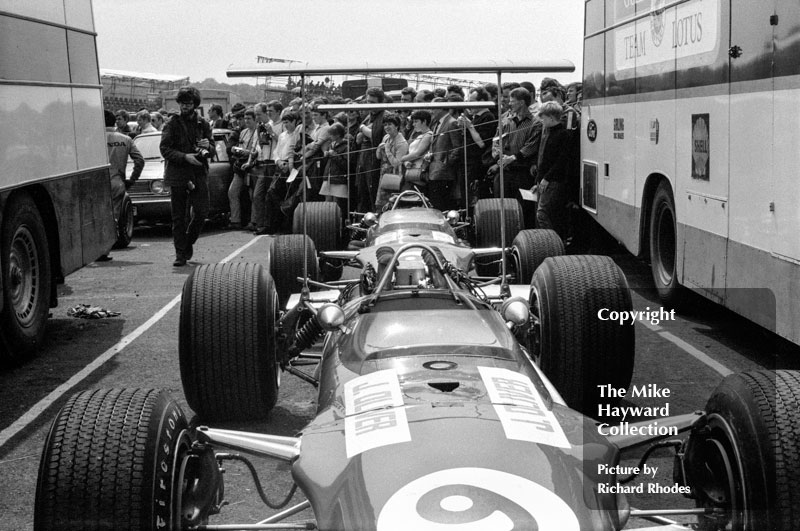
[123, 89]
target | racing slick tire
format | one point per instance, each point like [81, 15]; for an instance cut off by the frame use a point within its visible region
[324, 224]
[25, 262]
[125, 224]
[577, 350]
[487, 228]
[227, 346]
[109, 462]
[663, 246]
[286, 263]
[744, 457]
[531, 247]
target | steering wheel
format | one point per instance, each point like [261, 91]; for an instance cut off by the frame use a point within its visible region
[392, 266]
[410, 193]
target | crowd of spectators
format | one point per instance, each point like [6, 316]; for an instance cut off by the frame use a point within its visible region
[357, 158]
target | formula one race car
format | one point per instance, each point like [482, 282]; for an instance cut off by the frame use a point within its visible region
[445, 402]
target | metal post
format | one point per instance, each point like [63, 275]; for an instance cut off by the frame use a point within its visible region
[305, 290]
[347, 132]
[466, 177]
[505, 291]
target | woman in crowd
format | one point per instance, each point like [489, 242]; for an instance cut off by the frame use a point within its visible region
[391, 149]
[415, 160]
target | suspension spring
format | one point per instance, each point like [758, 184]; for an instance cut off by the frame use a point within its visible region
[307, 335]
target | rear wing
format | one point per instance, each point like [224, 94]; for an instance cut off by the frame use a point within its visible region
[476, 67]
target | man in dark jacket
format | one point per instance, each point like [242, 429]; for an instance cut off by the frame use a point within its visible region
[187, 144]
[553, 170]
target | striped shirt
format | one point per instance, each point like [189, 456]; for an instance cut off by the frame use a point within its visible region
[521, 135]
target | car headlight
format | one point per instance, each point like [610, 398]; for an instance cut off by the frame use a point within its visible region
[158, 187]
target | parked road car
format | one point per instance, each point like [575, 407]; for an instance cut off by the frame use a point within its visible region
[444, 402]
[150, 195]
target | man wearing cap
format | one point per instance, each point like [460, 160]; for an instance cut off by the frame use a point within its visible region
[186, 144]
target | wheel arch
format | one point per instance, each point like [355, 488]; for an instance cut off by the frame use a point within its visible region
[44, 204]
[648, 194]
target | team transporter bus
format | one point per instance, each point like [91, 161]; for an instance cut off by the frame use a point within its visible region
[55, 196]
[690, 143]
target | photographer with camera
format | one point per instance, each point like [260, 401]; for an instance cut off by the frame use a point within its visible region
[269, 129]
[244, 156]
[187, 144]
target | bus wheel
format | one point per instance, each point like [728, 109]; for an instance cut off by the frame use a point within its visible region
[26, 279]
[125, 224]
[663, 245]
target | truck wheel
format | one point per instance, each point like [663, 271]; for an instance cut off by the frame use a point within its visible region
[744, 458]
[125, 224]
[663, 245]
[487, 228]
[26, 279]
[324, 224]
[530, 248]
[286, 263]
[109, 462]
[577, 350]
[227, 347]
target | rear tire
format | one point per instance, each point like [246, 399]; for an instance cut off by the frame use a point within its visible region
[125, 224]
[227, 347]
[663, 246]
[577, 351]
[25, 262]
[324, 223]
[530, 248]
[488, 227]
[109, 462]
[753, 419]
[286, 264]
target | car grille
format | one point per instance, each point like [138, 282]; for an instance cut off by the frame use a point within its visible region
[140, 187]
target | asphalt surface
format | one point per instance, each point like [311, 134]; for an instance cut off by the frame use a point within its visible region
[139, 348]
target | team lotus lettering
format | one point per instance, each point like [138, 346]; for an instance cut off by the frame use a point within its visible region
[687, 30]
[654, 316]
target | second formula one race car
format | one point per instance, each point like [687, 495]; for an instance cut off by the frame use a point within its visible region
[444, 402]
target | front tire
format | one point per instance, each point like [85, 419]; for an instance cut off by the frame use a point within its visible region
[576, 349]
[324, 224]
[530, 248]
[286, 263]
[663, 246]
[227, 346]
[745, 456]
[488, 227]
[26, 279]
[109, 462]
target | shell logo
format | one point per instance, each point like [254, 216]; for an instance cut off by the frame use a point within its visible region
[700, 146]
[474, 499]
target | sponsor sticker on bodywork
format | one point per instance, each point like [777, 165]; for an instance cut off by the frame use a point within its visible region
[374, 411]
[521, 409]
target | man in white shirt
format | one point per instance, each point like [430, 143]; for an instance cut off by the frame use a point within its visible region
[270, 127]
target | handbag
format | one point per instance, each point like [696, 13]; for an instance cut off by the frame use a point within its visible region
[390, 182]
[418, 175]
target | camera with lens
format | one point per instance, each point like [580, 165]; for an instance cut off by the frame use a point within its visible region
[239, 156]
[202, 153]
